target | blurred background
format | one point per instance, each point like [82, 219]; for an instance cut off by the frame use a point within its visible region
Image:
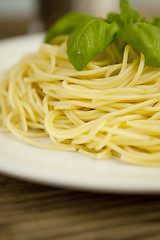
[19, 17]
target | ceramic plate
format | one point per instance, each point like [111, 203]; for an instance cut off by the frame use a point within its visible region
[64, 168]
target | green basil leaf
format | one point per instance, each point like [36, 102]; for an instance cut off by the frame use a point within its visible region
[129, 14]
[146, 38]
[155, 21]
[65, 25]
[114, 17]
[88, 40]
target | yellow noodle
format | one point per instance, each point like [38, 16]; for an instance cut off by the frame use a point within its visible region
[112, 107]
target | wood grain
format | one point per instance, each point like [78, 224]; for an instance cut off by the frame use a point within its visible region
[35, 212]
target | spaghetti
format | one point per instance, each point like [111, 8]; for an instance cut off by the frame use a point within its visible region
[112, 107]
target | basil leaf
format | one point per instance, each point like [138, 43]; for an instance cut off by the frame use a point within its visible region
[66, 24]
[146, 38]
[155, 21]
[129, 14]
[114, 17]
[88, 40]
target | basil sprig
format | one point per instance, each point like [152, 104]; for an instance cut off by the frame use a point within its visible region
[115, 17]
[87, 41]
[66, 24]
[155, 21]
[89, 35]
[129, 14]
[146, 38]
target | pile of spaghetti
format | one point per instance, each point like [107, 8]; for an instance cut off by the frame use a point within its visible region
[112, 107]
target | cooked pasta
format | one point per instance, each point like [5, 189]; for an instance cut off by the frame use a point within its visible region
[111, 108]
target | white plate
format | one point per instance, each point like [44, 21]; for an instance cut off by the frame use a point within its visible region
[62, 168]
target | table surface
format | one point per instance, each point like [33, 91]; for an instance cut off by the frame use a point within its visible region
[35, 212]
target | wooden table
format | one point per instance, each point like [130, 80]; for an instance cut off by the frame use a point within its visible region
[34, 212]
